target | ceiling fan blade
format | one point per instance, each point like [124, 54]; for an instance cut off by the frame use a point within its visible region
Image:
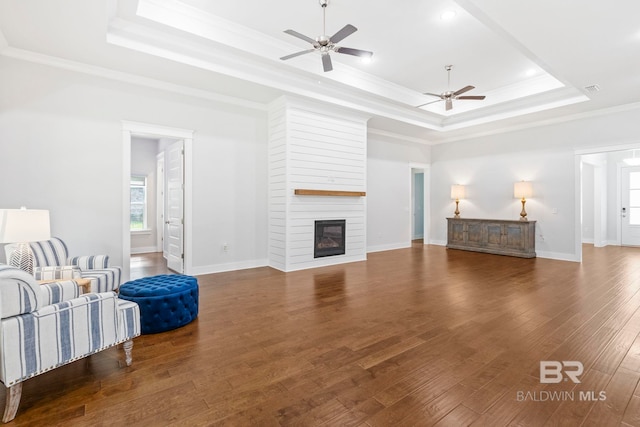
[463, 90]
[293, 55]
[354, 52]
[479, 97]
[449, 104]
[347, 30]
[301, 36]
[434, 94]
[431, 102]
[326, 62]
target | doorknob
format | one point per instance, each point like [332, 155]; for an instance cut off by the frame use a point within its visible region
[624, 212]
[166, 222]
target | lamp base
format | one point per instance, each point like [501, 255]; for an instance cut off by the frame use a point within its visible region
[523, 213]
[22, 258]
[456, 213]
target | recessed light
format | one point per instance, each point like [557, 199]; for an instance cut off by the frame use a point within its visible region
[366, 60]
[530, 72]
[448, 15]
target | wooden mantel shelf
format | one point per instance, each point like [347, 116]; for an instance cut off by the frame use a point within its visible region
[303, 192]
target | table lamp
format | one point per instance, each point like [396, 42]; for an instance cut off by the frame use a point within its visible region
[523, 190]
[22, 226]
[457, 193]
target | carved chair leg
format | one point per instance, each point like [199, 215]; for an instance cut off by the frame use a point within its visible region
[14, 393]
[128, 345]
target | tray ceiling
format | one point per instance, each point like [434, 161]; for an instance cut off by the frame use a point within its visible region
[530, 72]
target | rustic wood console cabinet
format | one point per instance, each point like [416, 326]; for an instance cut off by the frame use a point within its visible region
[493, 236]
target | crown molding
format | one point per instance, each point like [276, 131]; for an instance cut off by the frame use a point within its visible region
[194, 21]
[545, 122]
[120, 76]
[406, 138]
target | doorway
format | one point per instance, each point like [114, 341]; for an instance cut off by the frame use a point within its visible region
[605, 192]
[630, 206]
[417, 228]
[183, 217]
[419, 217]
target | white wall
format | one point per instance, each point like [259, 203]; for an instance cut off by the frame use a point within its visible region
[490, 165]
[588, 202]
[61, 149]
[144, 163]
[389, 190]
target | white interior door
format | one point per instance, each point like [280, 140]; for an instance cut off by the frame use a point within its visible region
[630, 206]
[174, 211]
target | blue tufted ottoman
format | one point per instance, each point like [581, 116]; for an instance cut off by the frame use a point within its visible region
[166, 302]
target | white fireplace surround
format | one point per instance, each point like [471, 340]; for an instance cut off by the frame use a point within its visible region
[315, 148]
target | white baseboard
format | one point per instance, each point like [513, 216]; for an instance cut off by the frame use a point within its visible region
[438, 242]
[144, 250]
[231, 266]
[557, 256]
[388, 247]
[587, 240]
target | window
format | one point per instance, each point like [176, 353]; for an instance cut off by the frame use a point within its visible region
[138, 220]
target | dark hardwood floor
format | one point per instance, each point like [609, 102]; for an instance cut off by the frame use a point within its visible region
[419, 336]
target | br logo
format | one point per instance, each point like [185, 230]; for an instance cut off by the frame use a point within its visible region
[553, 372]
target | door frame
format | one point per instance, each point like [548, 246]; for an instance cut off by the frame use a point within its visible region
[160, 203]
[619, 167]
[578, 153]
[426, 227]
[130, 129]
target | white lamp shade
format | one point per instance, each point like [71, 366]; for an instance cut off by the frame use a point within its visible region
[457, 191]
[24, 225]
[522, 190]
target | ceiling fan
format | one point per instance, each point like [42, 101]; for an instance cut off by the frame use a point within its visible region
[325, 44]
[449, 96]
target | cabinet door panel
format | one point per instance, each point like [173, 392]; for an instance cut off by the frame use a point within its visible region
[515, 237]
[457, 232]
[474, 235]
[494, 235]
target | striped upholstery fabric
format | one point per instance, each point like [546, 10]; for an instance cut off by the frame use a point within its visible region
[103, 280]
[57, 272]
[90, 262]
[47, 253]
[19, 293]
[54, 252]
[37, 337]
[128, 320]
[56, 292]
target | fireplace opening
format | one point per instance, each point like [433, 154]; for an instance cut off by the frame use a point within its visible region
[329, 238]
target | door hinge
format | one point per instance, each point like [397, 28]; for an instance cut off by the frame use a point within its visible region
[182, 256]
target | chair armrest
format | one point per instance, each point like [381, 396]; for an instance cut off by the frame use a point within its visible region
[57, 334]
[90, 262]
[56, 272]
[56, 292]
[19, 292]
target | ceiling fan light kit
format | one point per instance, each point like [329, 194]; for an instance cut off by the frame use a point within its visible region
[449, 95]
[325, 44]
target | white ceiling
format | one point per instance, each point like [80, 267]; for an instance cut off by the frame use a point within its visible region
[532, 60]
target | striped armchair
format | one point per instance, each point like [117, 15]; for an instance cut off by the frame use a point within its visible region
[46, 326]
[52, 262]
